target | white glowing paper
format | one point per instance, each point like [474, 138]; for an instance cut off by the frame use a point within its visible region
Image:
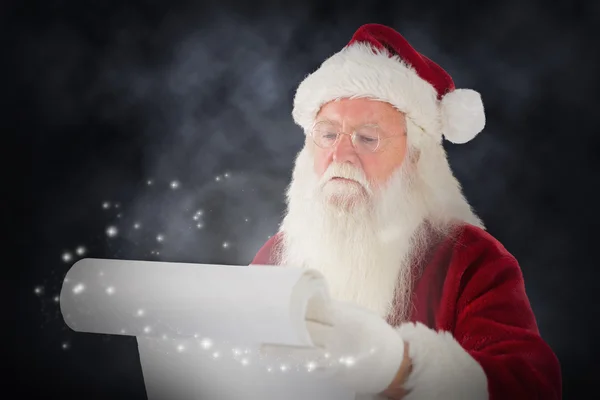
[199, 327]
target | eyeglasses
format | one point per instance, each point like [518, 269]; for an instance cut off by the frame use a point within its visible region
[365, 139]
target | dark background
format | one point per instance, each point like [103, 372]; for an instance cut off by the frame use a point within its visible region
[103, 96]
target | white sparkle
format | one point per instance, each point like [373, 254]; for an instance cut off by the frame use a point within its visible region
[123, 331]
[111, 231]
[244, 361]
[227, 175]
[326, 355]
[246, 219]
[216, 354]
[110, 290]
[160, 238]
[349, 361]
[140, 312]
[137, 225]
[237, 352]
[65, 346]
[217, 178]
[38, 289]
[283, 367]
[180, 348]
[225, 245]
[106, 205]
[200, 226]
[195, 335]
[80, 250]
[78, 288]
[56, 299]
[311, 366]
[199, 213]
[67, 257]
[206, 343]
[174, 184]
[157, 253]
[117, 205]
[269, 369]
[147, 329]
[196, 217]
[119, 215]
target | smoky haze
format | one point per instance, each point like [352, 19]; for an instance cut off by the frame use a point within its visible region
[197, 100]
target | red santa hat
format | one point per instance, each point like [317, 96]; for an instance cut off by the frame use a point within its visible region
[379, 63]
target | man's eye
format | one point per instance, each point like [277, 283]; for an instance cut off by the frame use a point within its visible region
[367, 139]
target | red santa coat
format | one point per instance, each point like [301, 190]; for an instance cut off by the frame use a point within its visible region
[472, 333]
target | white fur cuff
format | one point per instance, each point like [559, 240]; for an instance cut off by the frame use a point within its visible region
[441, 368]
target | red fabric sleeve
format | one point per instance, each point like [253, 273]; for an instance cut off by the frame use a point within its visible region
[496, 325]
[264, 256]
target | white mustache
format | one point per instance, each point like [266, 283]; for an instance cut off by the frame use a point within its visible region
[346, 171]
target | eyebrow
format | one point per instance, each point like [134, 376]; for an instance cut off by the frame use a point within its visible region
[354, 126]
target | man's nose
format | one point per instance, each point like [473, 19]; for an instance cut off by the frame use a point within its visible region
[344, 151]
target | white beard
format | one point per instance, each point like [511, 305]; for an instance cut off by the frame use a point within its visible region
[363, 243]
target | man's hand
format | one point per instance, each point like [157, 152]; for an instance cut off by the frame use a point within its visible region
[356, 348]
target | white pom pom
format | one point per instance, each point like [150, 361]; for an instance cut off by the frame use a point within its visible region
[463, 116]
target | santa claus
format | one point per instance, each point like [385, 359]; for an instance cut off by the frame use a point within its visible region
[373, 205]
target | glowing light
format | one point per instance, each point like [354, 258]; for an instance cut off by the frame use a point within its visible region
[65, 346]
[56, 299]
[110, 290]
[196, 217]
[311, 366]
[237, 352]
[180, 348]
[160, 238]
[140, 312]
[200, 226]
[225, 245]
[117, 205]
[106, 205]
[80, 250]
[149, 182]
[123, 331]
[217, 178]
[216, 354]
[199, 213]
[111, 231]
[246, 219]
[348, 361]
[244, 361]
[119, 215]
[206, 343]
[67, 257]
[174, 185]
[39, 290]
[147, 329]
[196, 335]
[78, 288]
[227, 175]
[283, 367]
[269, 369]
[326, 355]
[137, 225]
